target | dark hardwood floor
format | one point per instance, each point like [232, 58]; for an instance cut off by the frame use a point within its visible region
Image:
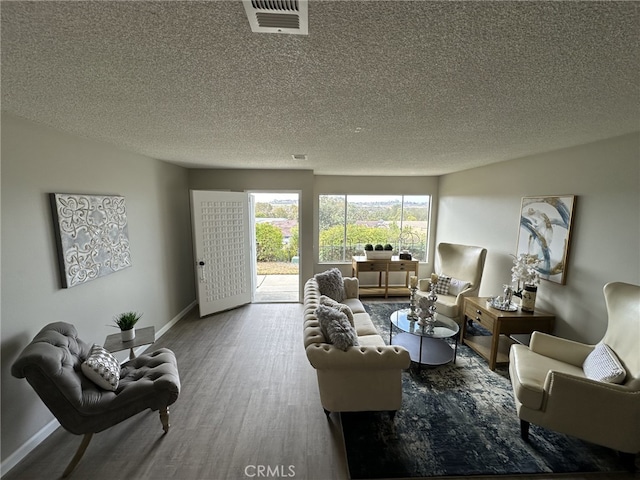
[249, 401]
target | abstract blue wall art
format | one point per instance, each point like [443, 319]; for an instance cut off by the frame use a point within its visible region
[545, 231]
[92, 236]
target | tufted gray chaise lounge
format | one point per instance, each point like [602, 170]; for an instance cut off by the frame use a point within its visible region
[51, 365]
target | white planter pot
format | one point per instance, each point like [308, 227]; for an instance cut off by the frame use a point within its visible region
[128, 335]
[378, 254]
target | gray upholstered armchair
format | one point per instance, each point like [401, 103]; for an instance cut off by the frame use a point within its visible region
[465, 264]
[597, 400]
[51, 363]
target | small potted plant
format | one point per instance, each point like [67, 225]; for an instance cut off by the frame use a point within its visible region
[126, 322]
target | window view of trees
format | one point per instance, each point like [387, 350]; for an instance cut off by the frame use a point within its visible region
[288, 211]
[348, 222]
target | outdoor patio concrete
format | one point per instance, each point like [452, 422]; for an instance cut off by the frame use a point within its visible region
[277, 289]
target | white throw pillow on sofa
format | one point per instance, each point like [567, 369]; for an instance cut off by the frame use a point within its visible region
[331, 284]
[603, 365]
[341, 307]
[336, 328]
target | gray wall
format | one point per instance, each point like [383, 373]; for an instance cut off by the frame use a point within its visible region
[160, 283]
[481, 207]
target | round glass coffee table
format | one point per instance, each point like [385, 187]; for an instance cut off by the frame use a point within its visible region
[425, 348]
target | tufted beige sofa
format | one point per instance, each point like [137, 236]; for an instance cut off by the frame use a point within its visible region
[364, 378]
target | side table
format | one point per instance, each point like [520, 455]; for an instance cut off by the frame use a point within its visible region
[495, 348]
[144, 336]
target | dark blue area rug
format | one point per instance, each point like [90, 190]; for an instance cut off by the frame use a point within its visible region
[459, 420]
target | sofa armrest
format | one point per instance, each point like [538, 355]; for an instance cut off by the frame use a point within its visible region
[351, 287]
[323, 356]
[424, 284]
[561, 349]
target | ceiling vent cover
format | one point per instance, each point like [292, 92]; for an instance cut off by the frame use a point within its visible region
[277, 16]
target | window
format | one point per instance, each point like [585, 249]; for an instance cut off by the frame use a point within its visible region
[348, 222]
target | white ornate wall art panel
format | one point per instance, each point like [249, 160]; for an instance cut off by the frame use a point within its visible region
[92, 236]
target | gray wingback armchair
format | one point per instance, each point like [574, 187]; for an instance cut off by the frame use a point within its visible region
[51, 363]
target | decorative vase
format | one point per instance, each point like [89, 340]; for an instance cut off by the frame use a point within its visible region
[412, 315]
[528, 298]
[427, 311]
[128, 335]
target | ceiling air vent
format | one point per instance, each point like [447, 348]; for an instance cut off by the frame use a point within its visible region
[277, 16]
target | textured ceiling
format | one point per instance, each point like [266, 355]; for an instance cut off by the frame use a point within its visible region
[379, 88]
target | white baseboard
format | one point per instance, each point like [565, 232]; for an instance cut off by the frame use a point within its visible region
[15, 458]
[176, 319]
[167, 326]
[26, 448]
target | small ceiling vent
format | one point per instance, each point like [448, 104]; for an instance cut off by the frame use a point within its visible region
[277, 16]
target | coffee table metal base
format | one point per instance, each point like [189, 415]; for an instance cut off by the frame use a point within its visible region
[426, 351]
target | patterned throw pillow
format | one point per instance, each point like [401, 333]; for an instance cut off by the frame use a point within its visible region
[341, 307]
[603, 365]
[336, 328]
[330, 283]
[102, 368]
[442, 287]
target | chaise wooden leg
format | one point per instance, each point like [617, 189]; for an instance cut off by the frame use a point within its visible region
[79, 453]
[524, 430]
[164, 418]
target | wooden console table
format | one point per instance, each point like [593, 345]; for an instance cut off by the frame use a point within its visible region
[361, 264]
[495, 348]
